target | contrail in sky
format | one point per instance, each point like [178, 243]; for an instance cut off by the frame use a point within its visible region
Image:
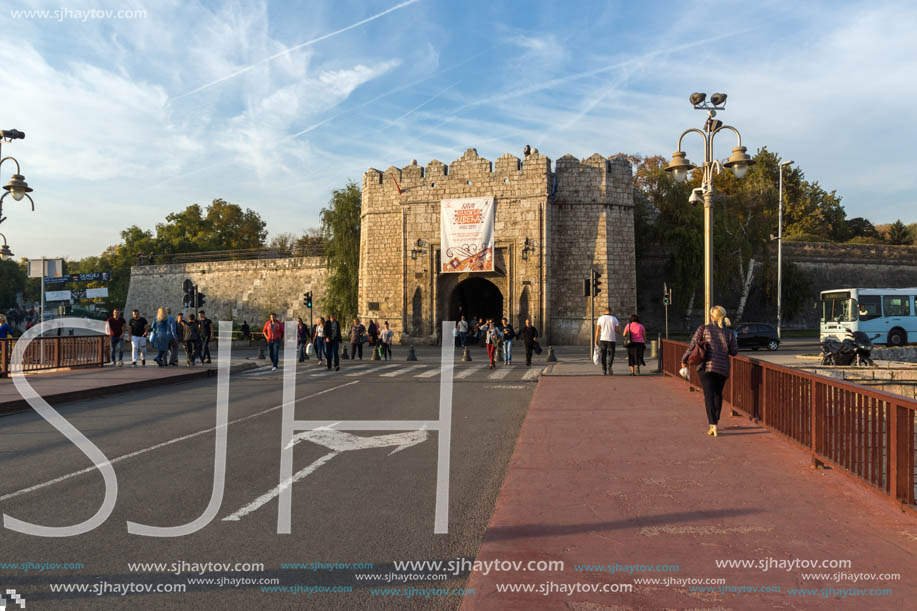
[294, 48]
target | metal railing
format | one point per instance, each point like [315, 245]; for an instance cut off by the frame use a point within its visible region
[866, 434]
[57, 352]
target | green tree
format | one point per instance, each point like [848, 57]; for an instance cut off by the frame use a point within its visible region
[223, 226]
[341, 234]
[899, 235]
[12, 281]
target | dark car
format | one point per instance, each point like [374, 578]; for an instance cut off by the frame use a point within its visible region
[756, 335]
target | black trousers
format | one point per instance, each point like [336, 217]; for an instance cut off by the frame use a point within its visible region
[529, 349]
[608, 349]
[205, 349]
[331, 351]
[712, 384]
[354, 348]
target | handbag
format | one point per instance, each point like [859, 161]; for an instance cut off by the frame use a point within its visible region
[310, 349]
[627, 335]
[597, 357]
[697, 356]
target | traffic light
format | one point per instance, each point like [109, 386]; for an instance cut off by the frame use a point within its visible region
[587, 288]
[307, 299]
[200, 300]
[596, 283]
[188, 288]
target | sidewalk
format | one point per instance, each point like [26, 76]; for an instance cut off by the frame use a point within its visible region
[72, 385]
[619, 470]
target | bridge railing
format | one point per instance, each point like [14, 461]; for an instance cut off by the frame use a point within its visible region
[864, 433]
[56, 352]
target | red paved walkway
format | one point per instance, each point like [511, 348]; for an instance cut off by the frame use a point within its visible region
[619, 470]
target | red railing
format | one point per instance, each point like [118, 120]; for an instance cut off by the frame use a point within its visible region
[865, 433]
[57, 352]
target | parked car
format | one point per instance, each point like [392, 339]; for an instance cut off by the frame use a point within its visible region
[756, 335]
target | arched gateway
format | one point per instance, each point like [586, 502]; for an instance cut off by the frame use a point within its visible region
[548, 229]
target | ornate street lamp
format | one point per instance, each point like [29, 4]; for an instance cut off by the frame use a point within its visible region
[17, 187]
[5, 253]
[680, 167]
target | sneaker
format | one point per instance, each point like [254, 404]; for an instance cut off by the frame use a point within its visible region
[208, 361]
[143, 362]
[273, 369]
[133, 363]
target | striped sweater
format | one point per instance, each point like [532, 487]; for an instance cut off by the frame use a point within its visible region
[721, 344]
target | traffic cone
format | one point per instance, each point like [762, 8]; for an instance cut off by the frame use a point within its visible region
[466, 356]
[411, 355]
[551, 358]
[344, 356]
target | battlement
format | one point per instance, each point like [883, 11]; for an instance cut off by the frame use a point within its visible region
[594, 179]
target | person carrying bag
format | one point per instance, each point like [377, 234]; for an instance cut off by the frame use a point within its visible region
[709, 351]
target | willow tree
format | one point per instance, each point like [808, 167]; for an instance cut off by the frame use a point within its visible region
[341, 236]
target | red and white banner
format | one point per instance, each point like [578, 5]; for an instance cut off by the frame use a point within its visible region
[467, 234]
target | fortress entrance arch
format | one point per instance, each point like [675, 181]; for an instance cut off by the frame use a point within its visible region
[476, 297]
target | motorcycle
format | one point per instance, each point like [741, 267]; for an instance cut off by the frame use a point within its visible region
[854, 350]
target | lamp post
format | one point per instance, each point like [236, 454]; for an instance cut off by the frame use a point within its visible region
[780, 247]
[680, 167]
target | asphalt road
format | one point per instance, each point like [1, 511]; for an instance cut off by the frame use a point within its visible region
[358, 506]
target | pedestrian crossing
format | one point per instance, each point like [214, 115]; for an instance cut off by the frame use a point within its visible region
[403, 371]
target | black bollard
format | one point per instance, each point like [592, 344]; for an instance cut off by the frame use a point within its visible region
[411, 355]
[551, 357]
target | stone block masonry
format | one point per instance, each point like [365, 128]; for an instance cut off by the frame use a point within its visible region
[245, 290]
[552, 228]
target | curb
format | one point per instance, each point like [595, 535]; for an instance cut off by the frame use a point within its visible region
[21, 405]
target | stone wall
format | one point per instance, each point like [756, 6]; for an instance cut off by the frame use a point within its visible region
[826, 266]
[573, 219]
[246, 290]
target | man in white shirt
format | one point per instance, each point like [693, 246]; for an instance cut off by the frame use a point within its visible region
[462, 326]
[605, 328]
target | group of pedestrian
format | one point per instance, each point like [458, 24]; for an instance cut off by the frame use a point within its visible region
[606, 329]
[166, 335]
[378, 337]
[498, 336]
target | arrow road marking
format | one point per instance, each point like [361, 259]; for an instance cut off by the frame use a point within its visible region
[338, 442]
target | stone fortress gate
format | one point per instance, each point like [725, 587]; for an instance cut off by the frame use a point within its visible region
[551, 229]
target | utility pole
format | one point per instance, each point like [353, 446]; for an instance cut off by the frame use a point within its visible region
[780, 249]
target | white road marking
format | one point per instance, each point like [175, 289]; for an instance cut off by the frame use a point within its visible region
[338, 441]
[268, 496]
[161, 445]
[429, 374]
[398, 372]
[467, 372]
[532, 374]
[499, 374]
[359, 373]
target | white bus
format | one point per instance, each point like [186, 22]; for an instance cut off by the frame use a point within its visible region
[888, 313]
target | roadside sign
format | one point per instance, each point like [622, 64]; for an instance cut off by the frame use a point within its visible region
[52, 268]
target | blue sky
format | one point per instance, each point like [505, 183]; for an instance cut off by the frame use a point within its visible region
[271, 105]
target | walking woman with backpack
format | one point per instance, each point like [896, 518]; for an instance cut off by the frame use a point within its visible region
[635, 340]
[710, 349]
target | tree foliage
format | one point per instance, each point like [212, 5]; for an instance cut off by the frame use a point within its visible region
[898, 234]
[341, 236]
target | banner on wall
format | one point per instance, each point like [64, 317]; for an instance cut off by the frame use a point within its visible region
[467, 234]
